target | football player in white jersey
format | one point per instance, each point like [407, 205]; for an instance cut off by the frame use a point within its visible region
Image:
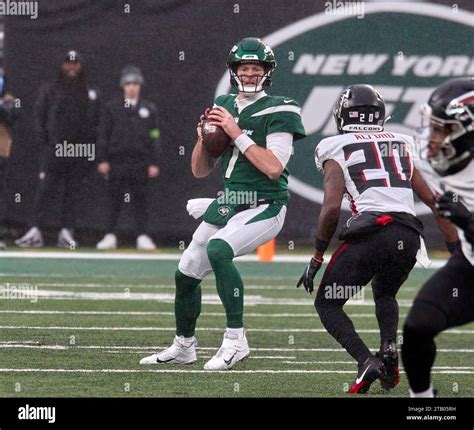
[447, 298]
[381, 240]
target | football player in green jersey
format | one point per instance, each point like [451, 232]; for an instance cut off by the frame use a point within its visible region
[248, 213]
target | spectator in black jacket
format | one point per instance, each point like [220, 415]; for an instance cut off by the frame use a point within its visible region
[66, 119]
[128, 153]
[9, 110]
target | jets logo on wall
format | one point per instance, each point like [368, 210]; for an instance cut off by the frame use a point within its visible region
[404, 50]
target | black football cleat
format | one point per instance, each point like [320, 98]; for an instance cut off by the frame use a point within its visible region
[371, 370]
[389, 356]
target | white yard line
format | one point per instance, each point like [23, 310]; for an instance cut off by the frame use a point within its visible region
[31, 344]
[352, 363]
[210, 278]
[71, 275]
[72, 255]
[205, 314]
[121, 286]
[228, 372]
[25, 342]
[454, 367]
[211, 299]
[285, 284]
[131, 313]
[54, 347]
[283, 258]
[152, 370]
[172, 329]
[320, 362]
[251, 357]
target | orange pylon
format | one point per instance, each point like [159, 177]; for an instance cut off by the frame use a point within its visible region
[266, 251]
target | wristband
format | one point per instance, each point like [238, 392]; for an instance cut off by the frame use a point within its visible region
[321, 245]
[243, 142]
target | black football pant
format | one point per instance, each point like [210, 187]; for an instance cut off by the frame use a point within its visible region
[57, 172]
[445, 300]
[386, 257]
[124, 190]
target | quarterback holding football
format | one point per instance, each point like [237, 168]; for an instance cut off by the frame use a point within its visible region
[261, 130]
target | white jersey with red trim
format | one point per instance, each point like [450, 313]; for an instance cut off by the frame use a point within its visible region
[461, 183]
[377, 169]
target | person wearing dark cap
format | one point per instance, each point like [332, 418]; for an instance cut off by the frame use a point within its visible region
[127, 154]
[9, 111]
[66, 116]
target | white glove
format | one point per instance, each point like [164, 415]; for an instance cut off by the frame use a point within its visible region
[197, 207]
[422, 255]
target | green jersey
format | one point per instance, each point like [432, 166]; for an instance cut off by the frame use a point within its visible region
[267, 115]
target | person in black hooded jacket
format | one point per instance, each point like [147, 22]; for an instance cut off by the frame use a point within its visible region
[128, 152]
[65, 119]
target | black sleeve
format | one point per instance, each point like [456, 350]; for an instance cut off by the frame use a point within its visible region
[154, 134]
[95, 120]
[104, 132]
[469, 231]
[40, 115]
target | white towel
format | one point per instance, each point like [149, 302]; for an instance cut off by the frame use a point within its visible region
[197, 207]
[422, 255]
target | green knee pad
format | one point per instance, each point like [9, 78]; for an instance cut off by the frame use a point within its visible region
[219, 252]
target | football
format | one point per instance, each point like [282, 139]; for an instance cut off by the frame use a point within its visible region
[214, 138]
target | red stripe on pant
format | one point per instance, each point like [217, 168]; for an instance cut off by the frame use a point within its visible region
[332, 261]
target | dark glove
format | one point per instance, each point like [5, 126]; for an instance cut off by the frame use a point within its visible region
[454, 246]
[450, 206]
[309, 274]
[469, 233]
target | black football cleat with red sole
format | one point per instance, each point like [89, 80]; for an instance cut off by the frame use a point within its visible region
[389, 356]
[371, 370]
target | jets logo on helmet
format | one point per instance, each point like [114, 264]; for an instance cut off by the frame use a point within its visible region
[250, 50]
[360, 108]
[451, 107]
